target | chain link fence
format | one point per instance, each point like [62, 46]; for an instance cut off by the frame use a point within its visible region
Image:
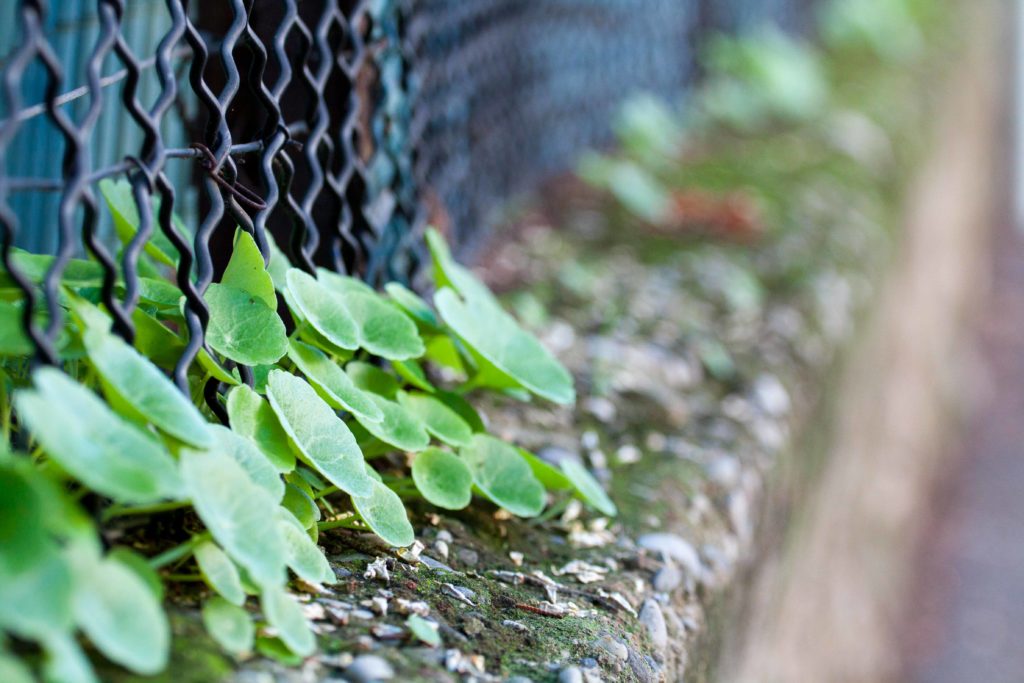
[338, 128]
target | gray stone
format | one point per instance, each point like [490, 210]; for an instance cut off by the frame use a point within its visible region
[467, 557]
[369, 668]
[667, 579]
[606, 644]
[672, 546]
[644, 668]
[653, 620]
[570, 674]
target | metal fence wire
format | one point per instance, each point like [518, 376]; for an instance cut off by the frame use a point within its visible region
[338, 128]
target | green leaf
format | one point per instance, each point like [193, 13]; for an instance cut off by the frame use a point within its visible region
[278, 267]
[440, 420]
[121, 202]
[285, 615]
[247, 272]
[13, 671]
[216, 370]
[252, 417]
[235, 510]
[443, 478]
[398, 428]
[336, 387]
[251, 458]
[303, 556]
[412, 304]
[24, 540]
[442, 350]
[323, 439]
[219, 572]
[548, 475]
[243, 328]
[384, 513]
[412, 373]
[120, 614]
[162, 294]
[504, 476]
[516, 357]
[448, 273]
[13, 340]
[323, 309]
[65, 660]
[302, 506]
[155, 341]
[78, 273]
[589, 488]
[384, 330]
[424, 630]
[274, 648]
[143, 387]
[36, 600]
[372, 379]
[140, 565]
[229, 625]
[464, 408]
[93, 444]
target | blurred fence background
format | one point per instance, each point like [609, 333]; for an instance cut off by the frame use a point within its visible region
[338, 126]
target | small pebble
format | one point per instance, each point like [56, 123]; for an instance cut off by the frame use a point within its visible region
[468, 557]
[369, 668]
[672, 546]
[667, 579]
[570, 674]
[653, 620]
[608, 645]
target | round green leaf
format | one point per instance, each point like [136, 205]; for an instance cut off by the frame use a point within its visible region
[412, 373]
[443, 478]
[321, 436]
[142, 385]
[342, 284]
[140, 565]
[120, 614]
[245, 453]
[324, 309]
[229, 625]
[216, 370]
[448, 273]
[589, 488]
[235, 511]
[121, 202]
[13, 340]
[384, 513]
[36, 600]
[424, 630]
[304, 557]
[92, 443]
[219, 572]
[13, 671]
[285, 615]
[516, 355]
[548, 475]
[247, 272]
[372, 379]
[301, 505]
[334, 384]
[66, 662]
[398, 428]
[383, 329]
[23, 534]
[243, 328]
[504, 476]
[412, 304]
[440, 420]
[252, 417]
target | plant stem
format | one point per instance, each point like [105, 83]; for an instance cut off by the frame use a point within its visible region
[122, 510]
[178, 552]
[325, 492]
[353, 522]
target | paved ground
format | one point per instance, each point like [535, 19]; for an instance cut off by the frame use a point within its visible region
[969, 622]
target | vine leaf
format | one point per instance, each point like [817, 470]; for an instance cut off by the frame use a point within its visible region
[235, 510]
[507, 356]
[440, 420]
[301, 505]
[547, 474]
[229, 624]
[121, 202]
[589, 488]
[398, 427]
[95, 445]
[372, 379]
[384, 513]
[504, 476]
[243, 328]
[252, 417]
[303, 556]
[334, 385]
[424, 630]
[251, 458]
[443, 478]
[144, 389]
[119, 613]
[323, 309]
[413, 305]
[323, 439]
[219, 572]
[285, 615]
[247, 272]
[412, 373]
